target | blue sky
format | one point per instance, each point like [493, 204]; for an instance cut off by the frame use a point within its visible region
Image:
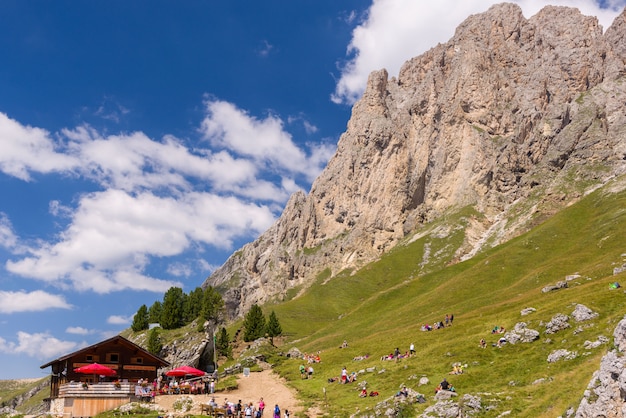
[142, 142]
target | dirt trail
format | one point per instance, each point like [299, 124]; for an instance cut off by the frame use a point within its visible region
[257, 385]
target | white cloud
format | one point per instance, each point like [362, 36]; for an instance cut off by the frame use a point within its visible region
[78, 331]
[119, 319]
[179, 270]
[265, 49]
[397, 30]
[38, 345]
[134, 162]
[26, 149]
[206, 266]
[36, 301]
[111, 110]
[157, 198]
[263, 140]
[7, 236]
[112, 234]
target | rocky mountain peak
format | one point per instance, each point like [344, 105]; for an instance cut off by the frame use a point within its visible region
[508, 109]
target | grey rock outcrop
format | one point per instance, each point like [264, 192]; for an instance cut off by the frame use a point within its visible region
[606, 392]
[561, 354]
[558, 323]
[595, 344]
[521, 334]
[582, 313]
[469, 405]
[558, 285]
[506, 107]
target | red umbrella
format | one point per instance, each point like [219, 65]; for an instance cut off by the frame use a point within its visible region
[185, 370]
[96, 368]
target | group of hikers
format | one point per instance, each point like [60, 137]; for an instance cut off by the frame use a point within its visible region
[440, 324]
[501, 341]
[247, 410]
[306, 372]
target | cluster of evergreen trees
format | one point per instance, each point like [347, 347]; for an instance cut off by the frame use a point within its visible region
[255, 326]
[179, 309]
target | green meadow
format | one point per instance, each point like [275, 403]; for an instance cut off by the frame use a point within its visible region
[384, 305]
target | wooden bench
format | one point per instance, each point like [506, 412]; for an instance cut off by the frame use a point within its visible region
[211, 411]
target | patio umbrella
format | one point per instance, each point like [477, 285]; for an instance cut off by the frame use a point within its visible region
[184, 371]
[96, 368]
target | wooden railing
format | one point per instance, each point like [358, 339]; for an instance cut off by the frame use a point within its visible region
[96, 390]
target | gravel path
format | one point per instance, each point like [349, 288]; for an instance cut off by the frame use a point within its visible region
[265, 384]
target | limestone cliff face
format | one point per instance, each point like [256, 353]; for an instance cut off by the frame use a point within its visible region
[507, 109]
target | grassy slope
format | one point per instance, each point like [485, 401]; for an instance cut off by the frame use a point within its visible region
[383, 306]
[9, 389]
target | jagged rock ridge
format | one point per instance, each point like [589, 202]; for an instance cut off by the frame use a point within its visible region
[511, 117]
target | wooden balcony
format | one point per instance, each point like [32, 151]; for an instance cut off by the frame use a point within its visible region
[96, 390]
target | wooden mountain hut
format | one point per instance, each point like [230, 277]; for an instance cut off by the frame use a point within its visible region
[74, 394]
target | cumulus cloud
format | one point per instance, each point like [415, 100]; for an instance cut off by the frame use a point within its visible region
[26, 149]
[263, 140]
[397, 30]
[7, 236]
[36, 301]
[112, 234]
[157, 198]
[119, 320]
[38, 345]
[180, 270]
[79, 331]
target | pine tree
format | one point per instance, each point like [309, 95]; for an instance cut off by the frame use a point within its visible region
[154, 342]
[254, 324]
[173, 302]
[212, 304]
[154, 313]
[273, 328]
[223, 343]
[140, 320]
[193, 304]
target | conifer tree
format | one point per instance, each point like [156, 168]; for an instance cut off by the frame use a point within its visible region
[154, 313]
[223, 343]
[140, 320]
[154, 342]
[212, 304]
[273, 328]
[173, 302]
[193, 304]
[254, 324]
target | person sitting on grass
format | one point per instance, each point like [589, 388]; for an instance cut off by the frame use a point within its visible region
[444, 385]
[363, 393]
[404, 392]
